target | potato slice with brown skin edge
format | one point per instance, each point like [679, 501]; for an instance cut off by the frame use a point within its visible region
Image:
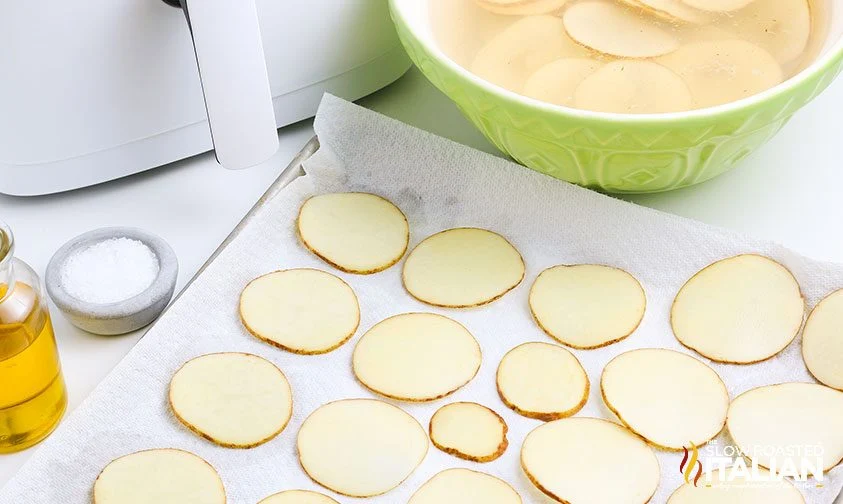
[614, 30]
[556, 82]
[737, 489]
[462, 268]
[463, 486]
[360, 447]
[766, 422]
[522, 7]
[590, 460]
[723, 71]
[740, 310]
[720, 5]
[469, 431]
[542, 381]
[671, 419]
[304, 311]
[633, 87]
[671, 10]
[780, 27]
[235, 400]
[162, 476]
[416, 357]
[298, 497]
[822, 341]
[354, 232]
[587, 306]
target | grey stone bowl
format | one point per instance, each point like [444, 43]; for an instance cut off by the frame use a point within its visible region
[124, 316]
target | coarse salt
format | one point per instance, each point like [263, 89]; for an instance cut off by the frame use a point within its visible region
[110, 271]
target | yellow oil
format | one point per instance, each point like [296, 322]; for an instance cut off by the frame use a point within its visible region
[33, 397]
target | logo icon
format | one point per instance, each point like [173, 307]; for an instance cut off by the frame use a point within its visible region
[687, 467]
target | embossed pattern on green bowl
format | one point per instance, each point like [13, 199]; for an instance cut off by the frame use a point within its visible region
[615, 153]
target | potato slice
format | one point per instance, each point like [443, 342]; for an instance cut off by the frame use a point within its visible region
[166, 476]
[360, 447]
[543, 381]
[354, 232]
[822, 341]
[416, 357]
[728, 487]
[556, 82]
[671, 10]
[522, 48]
[469, 431]
[633, 87]
[722, 5]
[462, 268]
[235, 400]
[740, 310]
[590, 460]
[522, 7]
[672, 418]
[781, 27]
[463, 486]
[304, 311]
[723, 71]
[768, 423]
[298, 497]
[610, 29]
[587, 306]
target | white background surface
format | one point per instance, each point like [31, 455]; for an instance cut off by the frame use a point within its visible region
[788, 192]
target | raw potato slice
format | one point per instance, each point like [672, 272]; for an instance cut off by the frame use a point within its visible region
[767, 423]
[781, 27]
[611, 29]
[354, 232]
[462, 268]
[469, 431]
[733, 487]
[722, 5]
[235, 400]
[360, 447]
[298, 497]
[822, 341]
[463, 486]
[587, 306]
[522, 7]
[165, 476]
[740, 310]
[633, 87]
[543, 381]
[672, 418]
[556, 82]
[723, 71]
[303, 311]
[590, 460]
[522, 48]
[671, 10]
[416, 357]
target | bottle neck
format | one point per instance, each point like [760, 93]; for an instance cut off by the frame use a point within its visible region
[7, 249]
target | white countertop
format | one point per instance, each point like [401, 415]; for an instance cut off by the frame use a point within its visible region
[788, 192]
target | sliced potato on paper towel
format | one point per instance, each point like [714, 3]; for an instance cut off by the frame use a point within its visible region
[557, 81]
[672, 418]
[304, 311]
[354, 232]
[590, 460]
[469, 431]
[722, 5]
[587, 306]
[462, 268]
[235, 400]
[671, 10]
[781, 27]
[164, 476]
[298, 497]
[740, 310]
[543, 381]
[822, 341]
[416, 357]
[723, 71]
[792, 425]
[733, 487]
[464, 486]
[633, 87]
[610, 29]
[360, 447]
[522, 7]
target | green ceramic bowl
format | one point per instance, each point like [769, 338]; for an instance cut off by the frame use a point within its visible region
[617, 152]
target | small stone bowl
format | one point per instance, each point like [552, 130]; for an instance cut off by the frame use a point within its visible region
[123, 316]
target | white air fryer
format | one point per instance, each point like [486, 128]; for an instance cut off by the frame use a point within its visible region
[94, 90]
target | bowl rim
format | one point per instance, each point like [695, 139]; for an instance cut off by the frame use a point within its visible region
[817, 68]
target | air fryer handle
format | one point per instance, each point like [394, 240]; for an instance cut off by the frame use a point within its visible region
[232, 68]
